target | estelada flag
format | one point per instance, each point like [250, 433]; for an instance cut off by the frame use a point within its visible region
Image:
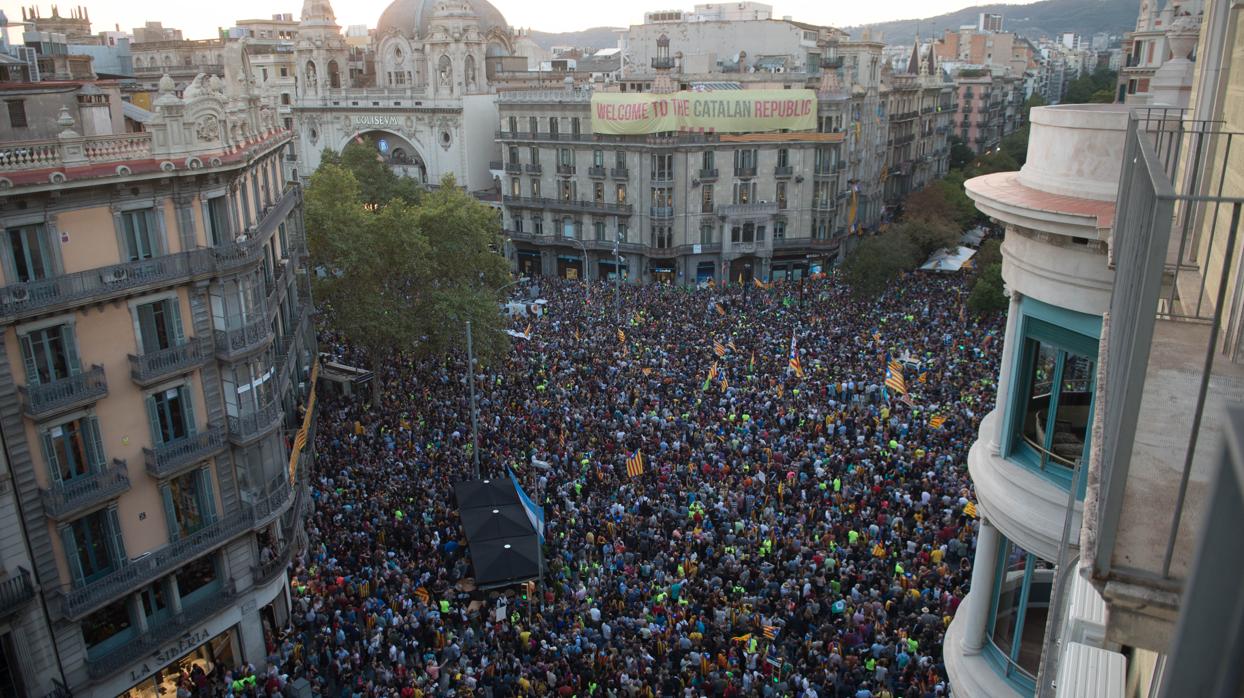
[635, 464]
[621, 335]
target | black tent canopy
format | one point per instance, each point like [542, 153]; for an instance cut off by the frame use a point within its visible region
[500, 536]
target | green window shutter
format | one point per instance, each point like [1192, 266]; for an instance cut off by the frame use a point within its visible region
[153, 417]
[188, 408]
[174, 315]
[147, 328]
[71, 349]
[71, 555]
[28, 359]
[170, 512]
[116, 541]
[49, 455]
[94, 443]
[207, 498]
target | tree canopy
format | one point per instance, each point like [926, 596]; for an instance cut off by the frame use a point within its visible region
[377, 183]
[1096, 87]
[410, 270]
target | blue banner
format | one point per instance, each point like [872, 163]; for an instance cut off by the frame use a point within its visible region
[535, 513]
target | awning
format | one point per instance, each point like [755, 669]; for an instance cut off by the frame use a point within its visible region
[947, 260]
[501, 537]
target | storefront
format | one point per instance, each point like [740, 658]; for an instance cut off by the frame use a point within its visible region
[606, 268]
[193, 652]
[663, 272]
[705, 272]
[570, 267]
[529, 263]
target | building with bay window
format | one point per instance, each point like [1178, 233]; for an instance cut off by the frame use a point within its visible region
[157, 355]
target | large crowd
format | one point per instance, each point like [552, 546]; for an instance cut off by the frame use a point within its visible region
[789, 536]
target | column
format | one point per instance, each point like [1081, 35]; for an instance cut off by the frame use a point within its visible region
[548, 262]
[1009, 342]
[974, 610]
[250, 633]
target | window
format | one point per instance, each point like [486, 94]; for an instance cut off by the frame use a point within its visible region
[73, 449]
[598, 158]
[535, 156]
[661, 237]
[154, 603]
[743, 233]
[518, 226]
[745, 163]
[779, 230]
[50, 354]
[1051, 418]
[535, 188]
[188, 503]
[218, 220]
[513, 122]
[93, 546]
[663, 167]
[783, 157]
[532, 126]
[621, 232]
[284, 72]
[744, 192]
[537, 225]
[171, 415]
[108, 627]
[553, 126]
[599, 228]
[706, 233]
[567, 190]
[708, 160]
[17, 113]
[565, 156]
[513, 151]
[1018, 608]
[706, 199]
[821, 195]
[574, 126]
[662, 197]
[568, 227]
[197, 579]
[781, 195]
[619, 159]
[516, 187]
[598, 192]
[139, 237]
[31, 255]
[621, 193]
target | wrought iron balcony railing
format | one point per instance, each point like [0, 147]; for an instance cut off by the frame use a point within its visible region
[63, 499]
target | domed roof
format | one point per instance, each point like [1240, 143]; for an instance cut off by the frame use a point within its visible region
[411, 17]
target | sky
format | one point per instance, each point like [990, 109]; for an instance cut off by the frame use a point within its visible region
[199, 20]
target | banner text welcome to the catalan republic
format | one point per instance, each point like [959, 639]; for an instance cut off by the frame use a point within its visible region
[723, 111]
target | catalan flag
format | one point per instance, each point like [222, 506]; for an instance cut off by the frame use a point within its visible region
[719, 349]
[576, 335]
[970, 509]
[422, 594]
[741, 638]
[721, 310]
[621, 335]
[635, 464]
[793, 362]
[771, 632]
[923, 377]
[730, 346]
[894, 377]
[937, 421]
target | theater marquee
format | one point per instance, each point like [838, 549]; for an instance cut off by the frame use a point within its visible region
[722, 111]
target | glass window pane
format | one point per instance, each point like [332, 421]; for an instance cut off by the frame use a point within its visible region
[187, 506]
[106, 623]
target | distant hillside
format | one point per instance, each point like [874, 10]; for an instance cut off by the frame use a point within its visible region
[1049, 17]
[596, 37]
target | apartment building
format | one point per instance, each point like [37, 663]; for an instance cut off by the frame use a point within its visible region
[686, 207]
[1164, 34]
[920, 106]
[156, 356]
[1109, 476]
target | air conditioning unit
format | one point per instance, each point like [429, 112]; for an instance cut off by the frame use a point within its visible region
[114, 275]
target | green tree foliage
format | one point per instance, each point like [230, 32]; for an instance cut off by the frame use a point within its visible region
[878, 261]
[378, 184]
[987, 295]
[1098, 87]
[928, 236]
[989, 163]
[960, 153]
[405, 276]
[990, 253]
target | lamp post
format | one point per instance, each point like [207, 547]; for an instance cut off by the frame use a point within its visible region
[617, 275]
[474, 417]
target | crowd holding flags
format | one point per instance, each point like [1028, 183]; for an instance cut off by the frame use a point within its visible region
[793, 363]
[894, 377]
[621, 335]
[937, 421]
[719, 349]
[635, 464]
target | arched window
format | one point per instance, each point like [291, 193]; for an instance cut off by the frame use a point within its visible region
[445, 71]
[469, 70]
[334, 77]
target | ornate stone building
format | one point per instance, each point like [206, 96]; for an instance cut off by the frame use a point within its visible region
[428, 105]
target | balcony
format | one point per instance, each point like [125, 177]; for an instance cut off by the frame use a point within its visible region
[565, 170]
[662, 212]
[707, 174]
[237, 255]
[783, 171]
[619, 173]
[46, 399]
[533, 168]
[232, 344]
[495, 165]
[571, 205]
[745, 171]
[666, 63]
[101, 283]
[513, 168]
[15, 592]
[596, 172]
[150, 368]
[831, 62]
[56, 153]
[756, 210]
[824, 171]
[168, 459]
[160, 634]
[244, 429]
[64, 499]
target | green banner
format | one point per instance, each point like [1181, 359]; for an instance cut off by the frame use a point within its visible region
[722, 111]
